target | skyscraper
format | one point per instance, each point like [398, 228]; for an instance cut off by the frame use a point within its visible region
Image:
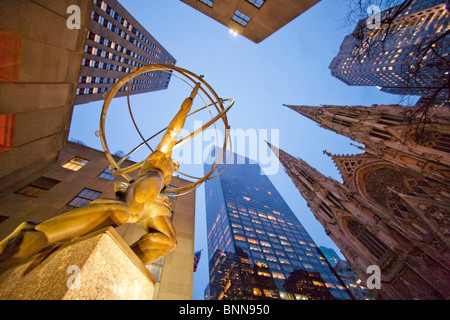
[330, 255]
[257, 248]
[405, 55]
[390, 211]
[116, 43]
[254, 19]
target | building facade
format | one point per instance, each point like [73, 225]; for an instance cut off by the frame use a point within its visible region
[48, 67]
[406, 56]
[40, 66]
[392, 208]
[81, 175]
[116, 43]
[254, 19]
[257, 248]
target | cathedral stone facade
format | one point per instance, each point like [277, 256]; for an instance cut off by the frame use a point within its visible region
[392, 209]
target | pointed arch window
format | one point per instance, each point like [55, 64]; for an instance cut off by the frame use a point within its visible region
[381, 181]
[370, 241]
[434, 139]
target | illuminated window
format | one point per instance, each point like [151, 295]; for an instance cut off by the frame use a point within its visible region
[240, 18]
[38, 187]
[7, 128]
[246, 198]
[330, 285]
[239, 238]
[75, 164]
[263, 273]
[84, 198]
[253, 241]
[257, 292]
[266, 244]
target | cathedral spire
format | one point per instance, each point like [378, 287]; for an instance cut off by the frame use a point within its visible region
[318, 190]
[300, 172]
[307, 111]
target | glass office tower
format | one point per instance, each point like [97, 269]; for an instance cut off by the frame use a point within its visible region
[257, 248]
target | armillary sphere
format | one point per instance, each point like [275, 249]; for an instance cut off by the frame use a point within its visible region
[212, 103]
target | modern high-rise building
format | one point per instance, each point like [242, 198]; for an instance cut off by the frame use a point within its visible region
[257, 248]
[330, 255]
[390, 210]
[254, 19]
[406, 56]
[116, 44]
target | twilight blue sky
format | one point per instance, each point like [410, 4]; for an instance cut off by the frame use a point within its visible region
[289, 67]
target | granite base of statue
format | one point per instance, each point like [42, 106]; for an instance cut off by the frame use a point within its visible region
[99, 266]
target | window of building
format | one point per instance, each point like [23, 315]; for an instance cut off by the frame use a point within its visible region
[257, 3]
[107, 175]
[7, 128]
[75, 164]
[209, 3]
[240, 18]
[371, 242]
[84, 198]
[38, 187]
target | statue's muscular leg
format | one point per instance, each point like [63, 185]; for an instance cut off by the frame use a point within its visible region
[161, 237]
[29, 238]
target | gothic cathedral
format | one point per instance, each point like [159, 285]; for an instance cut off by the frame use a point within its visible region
[393, 208]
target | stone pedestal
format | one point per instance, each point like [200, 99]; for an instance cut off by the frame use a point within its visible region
[99, 266]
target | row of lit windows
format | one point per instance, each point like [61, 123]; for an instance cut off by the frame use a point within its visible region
[88, 79]
[109, 55]
[265, 214]
[115, 46]
[130, 28]
[110, 44]
[85, 91]
[107, 66]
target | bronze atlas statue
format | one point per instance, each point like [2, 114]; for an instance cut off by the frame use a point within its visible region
[142, 200]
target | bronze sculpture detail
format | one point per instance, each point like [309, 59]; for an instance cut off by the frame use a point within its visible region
[142, 200]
